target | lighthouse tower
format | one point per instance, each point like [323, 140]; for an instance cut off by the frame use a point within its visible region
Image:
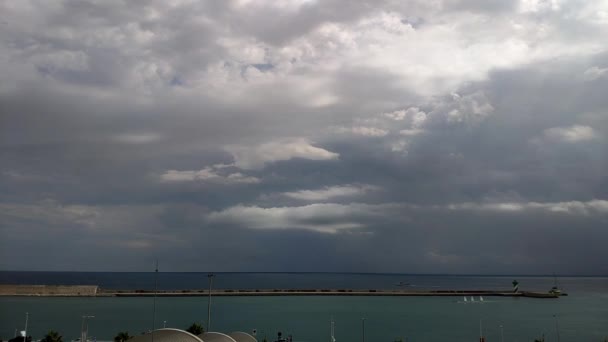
[515, 286]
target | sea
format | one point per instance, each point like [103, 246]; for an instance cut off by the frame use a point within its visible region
[580, 316]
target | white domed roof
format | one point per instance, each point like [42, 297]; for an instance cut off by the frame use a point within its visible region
[167, 335]
[240, 336]
[215, 337]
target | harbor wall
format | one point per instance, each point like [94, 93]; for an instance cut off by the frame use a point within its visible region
[93, 290]
[48, 290]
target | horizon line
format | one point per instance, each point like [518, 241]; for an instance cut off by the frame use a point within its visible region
[334, 272]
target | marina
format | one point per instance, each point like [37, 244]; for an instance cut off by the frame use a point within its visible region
[308, 318]
[310, 306]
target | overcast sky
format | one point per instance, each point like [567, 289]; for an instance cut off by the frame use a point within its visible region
[443, 136]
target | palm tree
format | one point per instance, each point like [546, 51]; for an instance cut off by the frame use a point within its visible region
[52, 336]
[196, 329]
[122, 336]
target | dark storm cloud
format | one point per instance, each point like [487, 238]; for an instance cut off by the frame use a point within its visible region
[304, 135]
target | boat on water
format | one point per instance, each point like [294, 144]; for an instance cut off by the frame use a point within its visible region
[401, 283]
[555, 290]
[472, 300]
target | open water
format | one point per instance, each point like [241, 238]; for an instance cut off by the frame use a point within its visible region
[582, 316]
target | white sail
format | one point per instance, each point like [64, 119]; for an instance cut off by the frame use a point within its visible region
[472, 299]
[480, 298]
[465, 299]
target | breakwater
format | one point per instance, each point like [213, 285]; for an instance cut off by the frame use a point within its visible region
[48, 290]
[91, 290]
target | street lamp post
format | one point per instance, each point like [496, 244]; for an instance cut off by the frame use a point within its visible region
[363, 329]
[210, 276]
[154, 300]
[502, 335]
[84, 329]
[556, 328]
[25, 331]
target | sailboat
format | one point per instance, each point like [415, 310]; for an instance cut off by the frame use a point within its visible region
[555, 290]
[480, 298]
[472, 299]
[465, 299]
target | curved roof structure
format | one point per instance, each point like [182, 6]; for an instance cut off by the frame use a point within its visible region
[215, 337]
[167, 335]
[240, 336]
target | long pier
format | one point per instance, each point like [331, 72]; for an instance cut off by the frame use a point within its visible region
[95, 291]
[334, 292]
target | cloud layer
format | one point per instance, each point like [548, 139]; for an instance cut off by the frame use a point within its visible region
[444, 136]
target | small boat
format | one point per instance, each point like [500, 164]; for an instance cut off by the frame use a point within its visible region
[555, 290]
[472, 299]
[402, 284]
[480, 298]
[465, 299]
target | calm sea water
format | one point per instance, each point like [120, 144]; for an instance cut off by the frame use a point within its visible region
[582, 316]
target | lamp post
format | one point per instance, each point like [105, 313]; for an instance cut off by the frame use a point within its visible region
[556, 328]
[154, 300]
[84, 329]
[363, 329]
[210, 276]
[25, 331]
[502, 334]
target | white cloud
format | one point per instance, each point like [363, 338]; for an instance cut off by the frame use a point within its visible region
[570, 207]
[324, 218]
[144, 138]
[411, 132]
[364, 131]
[213, 174]
[330, 192]
[595, 73]
[284, 5]
[334, 218]
[52, 61]
[571, 134]
[469, 109]
[255, 157]
[320, 217]
[450, 49]
[400, 146]
[414, 115]
[539, 5]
